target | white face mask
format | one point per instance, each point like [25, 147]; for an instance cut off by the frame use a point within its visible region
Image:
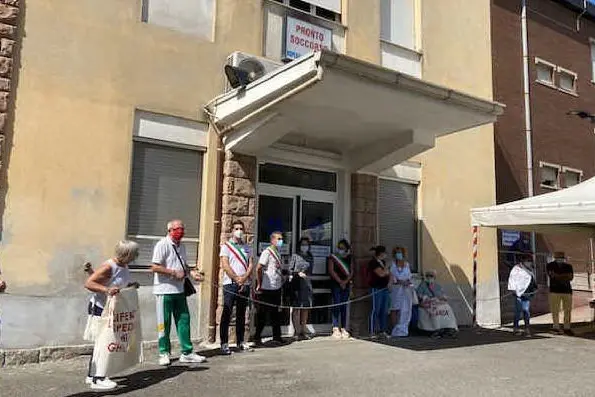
[239, 234]
[528, 264]
[304, 249]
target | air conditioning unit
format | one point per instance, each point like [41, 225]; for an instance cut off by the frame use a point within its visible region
[255, 66]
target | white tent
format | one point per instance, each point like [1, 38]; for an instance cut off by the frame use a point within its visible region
[571, 209]
[567, 210]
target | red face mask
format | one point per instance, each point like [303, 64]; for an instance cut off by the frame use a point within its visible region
[177, 234]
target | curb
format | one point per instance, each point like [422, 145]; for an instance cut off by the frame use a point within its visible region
[19, 357]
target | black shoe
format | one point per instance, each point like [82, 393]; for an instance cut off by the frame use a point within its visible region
[569, 332]
[225, 351]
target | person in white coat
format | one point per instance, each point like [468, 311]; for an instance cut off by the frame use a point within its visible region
[522, 283]
[401, 293]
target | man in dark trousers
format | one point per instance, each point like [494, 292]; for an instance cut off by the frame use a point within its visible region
[560, 274]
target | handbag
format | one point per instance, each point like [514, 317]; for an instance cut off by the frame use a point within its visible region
[189, 289]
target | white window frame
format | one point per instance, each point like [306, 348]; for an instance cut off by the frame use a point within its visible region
[574, 171]
[538, 62]
[558, 168]
[560, 71]
[177, 132]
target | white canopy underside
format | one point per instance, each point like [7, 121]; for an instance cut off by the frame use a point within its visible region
[370, 117]
[567, 210]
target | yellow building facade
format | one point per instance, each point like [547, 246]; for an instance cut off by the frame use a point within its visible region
[108, 127]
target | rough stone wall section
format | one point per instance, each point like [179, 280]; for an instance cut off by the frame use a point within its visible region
[9, 19]
[239, 202]
[364, 220]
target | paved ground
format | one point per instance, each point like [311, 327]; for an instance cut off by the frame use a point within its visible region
[492, 363]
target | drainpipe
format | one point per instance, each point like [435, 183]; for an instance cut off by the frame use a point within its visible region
[578, 19]
[527, 100]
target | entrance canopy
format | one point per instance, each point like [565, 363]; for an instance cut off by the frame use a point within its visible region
[571, 209]
[370, 117]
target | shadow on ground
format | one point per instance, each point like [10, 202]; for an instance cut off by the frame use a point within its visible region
[140, 380]
[585, 330]
[467, 337]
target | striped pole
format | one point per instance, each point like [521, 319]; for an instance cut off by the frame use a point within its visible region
[475, 245]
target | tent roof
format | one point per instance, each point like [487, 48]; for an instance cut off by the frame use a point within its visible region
[571, 209]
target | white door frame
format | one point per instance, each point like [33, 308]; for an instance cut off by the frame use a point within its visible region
[266, 189]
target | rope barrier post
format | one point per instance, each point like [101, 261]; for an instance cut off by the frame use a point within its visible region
[475, 247]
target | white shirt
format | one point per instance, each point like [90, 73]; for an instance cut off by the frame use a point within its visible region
[164, 254]
[272, 279]
[120, 277]
[238, 266]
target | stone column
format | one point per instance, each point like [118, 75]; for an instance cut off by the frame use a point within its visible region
[239, 202]
[9, 20]
[364, 226]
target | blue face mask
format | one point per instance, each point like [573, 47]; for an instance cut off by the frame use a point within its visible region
[399, 256]
[279, 243]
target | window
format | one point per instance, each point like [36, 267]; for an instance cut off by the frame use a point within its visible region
[550, 175]
[327, 9]
[397, 217]
[566, 80]
[572, 176]
[165, 184]
[545, 72]
[276, 174]
[192, 17]
[556, 76]
[397, 22]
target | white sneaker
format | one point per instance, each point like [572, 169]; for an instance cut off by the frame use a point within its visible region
[192, 358]
[88, 380]
[345, 334]
[164, 359]
[336, 333]
[104, 384]
[244, 347]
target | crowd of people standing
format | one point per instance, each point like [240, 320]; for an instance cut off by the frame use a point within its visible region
[270, 282]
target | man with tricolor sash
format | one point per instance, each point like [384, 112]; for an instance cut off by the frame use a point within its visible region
[237, 265]
[269, 283]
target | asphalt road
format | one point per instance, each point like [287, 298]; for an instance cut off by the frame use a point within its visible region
[489, 364]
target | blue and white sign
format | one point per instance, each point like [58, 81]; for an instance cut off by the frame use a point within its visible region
[509, 237]
[302, 38]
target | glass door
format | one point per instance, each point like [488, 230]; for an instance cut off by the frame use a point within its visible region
[298, 212]
[316, 222]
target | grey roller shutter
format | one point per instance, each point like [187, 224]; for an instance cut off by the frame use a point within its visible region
[397, 217]
[165, 184]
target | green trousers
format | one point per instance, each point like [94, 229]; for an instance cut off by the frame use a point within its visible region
[173, 305]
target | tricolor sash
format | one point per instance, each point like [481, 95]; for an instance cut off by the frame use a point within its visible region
[238, 253]
[342, 263]
[275, 254]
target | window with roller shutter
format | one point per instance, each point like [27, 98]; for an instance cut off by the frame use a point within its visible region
[165, 184]
[397, 217]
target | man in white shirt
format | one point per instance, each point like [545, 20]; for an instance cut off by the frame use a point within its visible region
[170, 269]
[269, 282]
[237, 265]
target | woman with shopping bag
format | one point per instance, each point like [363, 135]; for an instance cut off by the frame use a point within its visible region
[105, 283]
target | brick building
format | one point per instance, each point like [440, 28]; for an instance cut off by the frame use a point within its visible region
[560, 59]
[122, 118]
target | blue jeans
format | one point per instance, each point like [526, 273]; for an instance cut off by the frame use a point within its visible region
[379, 314]
[521, 305]
[339, 313]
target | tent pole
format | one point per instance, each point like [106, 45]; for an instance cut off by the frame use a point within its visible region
[475, 243]
[592, 258]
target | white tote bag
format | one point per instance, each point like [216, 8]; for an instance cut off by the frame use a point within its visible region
[118, 343]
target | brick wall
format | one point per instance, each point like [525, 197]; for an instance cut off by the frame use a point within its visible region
[364, 199]
[239, 202]
[9, 19]
[557, 138]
